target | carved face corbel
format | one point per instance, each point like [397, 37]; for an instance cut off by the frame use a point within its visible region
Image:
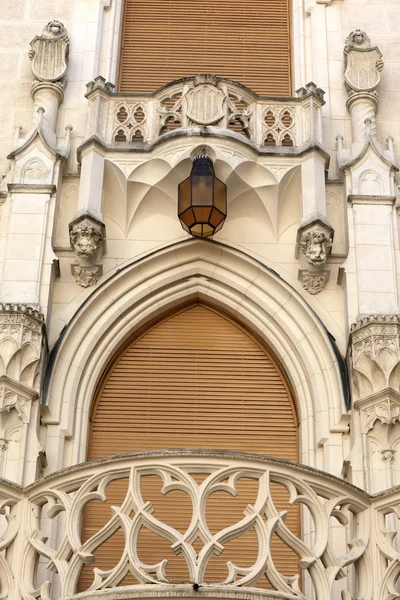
[315, 242]
[86, 236]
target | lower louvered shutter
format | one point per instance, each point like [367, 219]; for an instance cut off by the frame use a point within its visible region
[195, 380]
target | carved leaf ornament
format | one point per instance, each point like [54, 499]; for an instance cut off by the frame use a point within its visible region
[73, 493]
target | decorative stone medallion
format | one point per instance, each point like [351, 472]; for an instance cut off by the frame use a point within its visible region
[363, 63]
[49, 53]
[205, 104]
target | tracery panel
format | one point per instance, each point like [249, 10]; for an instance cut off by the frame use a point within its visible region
[199, 380]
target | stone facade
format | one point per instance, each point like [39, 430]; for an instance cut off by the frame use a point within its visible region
[91, 249]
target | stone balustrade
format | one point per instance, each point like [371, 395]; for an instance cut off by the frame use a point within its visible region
[347, 545]
[207, 104]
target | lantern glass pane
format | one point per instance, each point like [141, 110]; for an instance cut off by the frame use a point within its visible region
[202, 214]
[202, 190]
[216, 218]
[184, 196]
[197, 230]
[188, 217]
[220, 195]
[207, 230]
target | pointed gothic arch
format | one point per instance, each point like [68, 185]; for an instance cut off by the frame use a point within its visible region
[226, 278]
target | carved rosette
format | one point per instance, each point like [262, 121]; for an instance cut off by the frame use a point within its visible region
[86, 235]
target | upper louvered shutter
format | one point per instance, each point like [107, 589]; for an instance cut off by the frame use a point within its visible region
[196, 380]
[244, 40]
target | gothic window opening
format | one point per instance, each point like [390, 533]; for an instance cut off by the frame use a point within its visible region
[196, 379]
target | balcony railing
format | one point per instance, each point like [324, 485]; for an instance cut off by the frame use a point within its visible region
[207, 104]
[347, 543]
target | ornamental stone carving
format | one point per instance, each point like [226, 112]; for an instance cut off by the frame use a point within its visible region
[375, 358]
[21, 340]
[86, 276]
[314, 281]
[205, 102]
[49, 53]
[316, 242]
[363, 63]
[86, 235]
[376, 353]
[340, 512]
[386, 412]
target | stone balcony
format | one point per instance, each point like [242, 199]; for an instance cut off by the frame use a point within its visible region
[205, 105]
[347, 547]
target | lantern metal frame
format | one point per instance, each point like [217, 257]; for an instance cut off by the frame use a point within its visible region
[202, 199]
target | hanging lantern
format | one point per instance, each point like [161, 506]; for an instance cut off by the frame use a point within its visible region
[202, 199]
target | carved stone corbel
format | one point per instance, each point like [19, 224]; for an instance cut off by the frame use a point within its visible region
[87, 235]
[315, 242]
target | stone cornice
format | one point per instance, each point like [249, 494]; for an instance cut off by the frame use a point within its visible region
[23, 310]
[375, 320]
[31, 188]
[203, 132]
[359, 199]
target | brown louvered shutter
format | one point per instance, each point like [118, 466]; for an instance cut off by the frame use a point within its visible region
[244, 40]
[195, 380]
